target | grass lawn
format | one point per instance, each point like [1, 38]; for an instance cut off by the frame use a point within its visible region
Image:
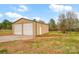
[5, 32]
[50, 43]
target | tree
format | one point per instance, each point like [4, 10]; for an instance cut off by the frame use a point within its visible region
[0, 26]
[67, 21]
[6, 24]
[52, 25]
[76, 26]
[34, 20]
[62, 22]
[71, 19]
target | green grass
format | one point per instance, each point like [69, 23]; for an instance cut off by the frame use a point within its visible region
[59, 43]
[70, 42]
[3, 51]
[5, 32]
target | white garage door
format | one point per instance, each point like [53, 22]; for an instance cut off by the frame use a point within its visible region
[27, 29]
[18, 29]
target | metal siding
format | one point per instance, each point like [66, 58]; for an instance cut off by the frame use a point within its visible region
[40, 30]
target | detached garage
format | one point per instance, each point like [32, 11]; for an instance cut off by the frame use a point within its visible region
[29, 27]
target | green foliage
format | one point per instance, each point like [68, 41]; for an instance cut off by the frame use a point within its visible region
[52, 25]
[34, 20]
[0, 25]
[6, 24]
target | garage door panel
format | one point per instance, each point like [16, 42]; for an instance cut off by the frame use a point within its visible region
[18, 29]
[27, 29]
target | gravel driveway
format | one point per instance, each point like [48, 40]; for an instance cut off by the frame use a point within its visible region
[12, 37]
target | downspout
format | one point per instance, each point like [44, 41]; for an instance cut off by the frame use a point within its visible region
[22, 29]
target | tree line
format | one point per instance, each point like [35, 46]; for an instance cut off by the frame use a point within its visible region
[6, 24]
[67, 21]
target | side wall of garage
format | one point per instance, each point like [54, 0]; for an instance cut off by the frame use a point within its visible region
[42, 28]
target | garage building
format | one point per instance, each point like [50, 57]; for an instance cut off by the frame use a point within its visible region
[25, 26]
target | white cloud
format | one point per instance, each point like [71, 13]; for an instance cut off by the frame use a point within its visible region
[1, 15]
[60, 8]
[22, 8]
[14, 15]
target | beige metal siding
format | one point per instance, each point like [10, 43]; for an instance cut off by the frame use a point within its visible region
[42, 28]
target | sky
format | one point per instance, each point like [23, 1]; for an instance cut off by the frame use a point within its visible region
[44, 12]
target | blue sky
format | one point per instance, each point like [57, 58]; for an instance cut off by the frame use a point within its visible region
[43, 12]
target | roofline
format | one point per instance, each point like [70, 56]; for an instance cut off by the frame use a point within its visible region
[20, 19]
[29, 20]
